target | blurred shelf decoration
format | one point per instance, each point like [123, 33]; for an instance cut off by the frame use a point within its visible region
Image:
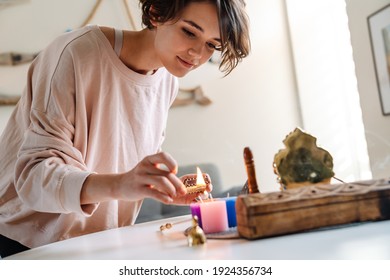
[190, 96]
[6, 3]
[97, 6]
[8, 99]
[13, 58]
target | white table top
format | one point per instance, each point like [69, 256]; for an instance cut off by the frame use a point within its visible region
[145, 241]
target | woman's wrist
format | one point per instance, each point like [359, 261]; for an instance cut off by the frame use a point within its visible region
[100, 187]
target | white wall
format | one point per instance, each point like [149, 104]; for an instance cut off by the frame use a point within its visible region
[377, 126]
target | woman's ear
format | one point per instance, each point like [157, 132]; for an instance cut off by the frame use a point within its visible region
[153, 22]
[153, 18]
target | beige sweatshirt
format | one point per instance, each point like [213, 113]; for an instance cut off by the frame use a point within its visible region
[82, 111]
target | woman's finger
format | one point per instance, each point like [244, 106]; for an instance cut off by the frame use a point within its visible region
[163, 159]
[153, 169]
[160, 183]
[157, 195]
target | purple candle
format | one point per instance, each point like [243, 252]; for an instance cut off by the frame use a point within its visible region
[195, 211]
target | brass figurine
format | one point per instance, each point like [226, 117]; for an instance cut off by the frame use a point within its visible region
[195, 234]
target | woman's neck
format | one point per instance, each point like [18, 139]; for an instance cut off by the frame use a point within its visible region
[138, 51]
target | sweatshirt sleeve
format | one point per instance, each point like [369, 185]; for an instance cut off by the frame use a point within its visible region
[50, 171]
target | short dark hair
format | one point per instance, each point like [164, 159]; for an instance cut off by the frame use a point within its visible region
[233, 22]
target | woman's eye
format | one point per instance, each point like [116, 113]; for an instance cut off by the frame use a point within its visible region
[188, 33]
[214, 47]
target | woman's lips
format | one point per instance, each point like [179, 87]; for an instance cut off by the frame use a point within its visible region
[185, 63]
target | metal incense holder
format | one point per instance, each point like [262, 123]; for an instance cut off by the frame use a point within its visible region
[192, 187]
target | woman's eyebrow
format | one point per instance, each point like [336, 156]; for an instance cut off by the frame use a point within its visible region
[193, 24]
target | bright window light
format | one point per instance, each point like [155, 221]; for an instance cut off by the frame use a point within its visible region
[327, 85]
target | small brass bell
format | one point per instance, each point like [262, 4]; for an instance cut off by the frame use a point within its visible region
[195, 234]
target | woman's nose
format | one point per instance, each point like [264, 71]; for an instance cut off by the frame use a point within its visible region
[195, 51]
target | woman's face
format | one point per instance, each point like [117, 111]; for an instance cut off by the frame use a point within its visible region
[189, 42]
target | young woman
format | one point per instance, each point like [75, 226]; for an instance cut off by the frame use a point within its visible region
[82, 149]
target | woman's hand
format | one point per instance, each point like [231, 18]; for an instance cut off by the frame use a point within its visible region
[154, 177]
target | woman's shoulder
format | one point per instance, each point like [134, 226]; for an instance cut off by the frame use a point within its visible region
[81, 42]
[67, 38]
[109, 32]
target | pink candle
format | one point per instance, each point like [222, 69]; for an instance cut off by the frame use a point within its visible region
[214, 216]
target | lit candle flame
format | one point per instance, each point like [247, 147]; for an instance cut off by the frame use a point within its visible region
[199, 178]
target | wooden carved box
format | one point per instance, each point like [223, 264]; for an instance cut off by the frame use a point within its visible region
[261, 215]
